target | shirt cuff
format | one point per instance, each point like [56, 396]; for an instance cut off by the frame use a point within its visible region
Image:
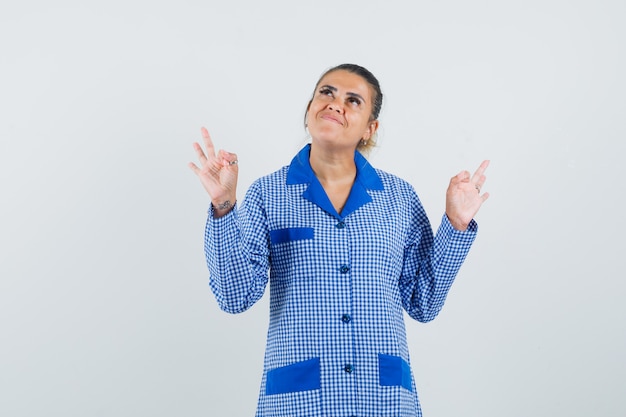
[447, 227]
[211, 212]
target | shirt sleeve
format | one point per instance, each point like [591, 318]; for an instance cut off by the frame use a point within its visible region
[236, 247]
[431, 263]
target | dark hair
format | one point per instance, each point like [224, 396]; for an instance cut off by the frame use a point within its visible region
[377, 102]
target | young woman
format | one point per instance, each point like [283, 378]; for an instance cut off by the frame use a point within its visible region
[348, 247]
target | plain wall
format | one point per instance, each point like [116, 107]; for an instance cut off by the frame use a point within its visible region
[105, 308]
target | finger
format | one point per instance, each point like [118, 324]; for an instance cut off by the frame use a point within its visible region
[484, 197]
[478, 183]
[201, 156]
[227, 158]
[194, 168]
[480, 172]
[208, 143]
[462, 176]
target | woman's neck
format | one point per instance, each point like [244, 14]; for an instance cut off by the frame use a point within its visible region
[333, 166]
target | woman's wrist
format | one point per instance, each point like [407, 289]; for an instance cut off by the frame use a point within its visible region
[222, 208]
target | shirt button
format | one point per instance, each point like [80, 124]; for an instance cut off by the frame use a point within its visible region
[344, 269]
[340, 225]
[348, 368]
[346, 318]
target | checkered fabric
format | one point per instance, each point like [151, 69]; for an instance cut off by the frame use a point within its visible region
[339, 282]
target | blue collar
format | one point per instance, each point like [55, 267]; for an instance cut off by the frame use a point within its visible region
[300, 172]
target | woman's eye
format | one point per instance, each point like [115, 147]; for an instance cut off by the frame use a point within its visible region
[326, 92]
[354, 100]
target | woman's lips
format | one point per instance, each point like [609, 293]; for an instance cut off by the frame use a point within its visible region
[332, 118]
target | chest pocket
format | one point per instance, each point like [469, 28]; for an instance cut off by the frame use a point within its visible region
[290, 234]
[290, 249]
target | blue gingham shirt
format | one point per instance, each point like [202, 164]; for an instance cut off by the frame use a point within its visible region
[339, 282]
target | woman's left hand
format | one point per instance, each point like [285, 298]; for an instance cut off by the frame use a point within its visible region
[463, 198]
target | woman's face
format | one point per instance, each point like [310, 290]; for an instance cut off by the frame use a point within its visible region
[339, 113]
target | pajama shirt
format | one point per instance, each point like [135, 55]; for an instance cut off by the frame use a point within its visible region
[338, 286]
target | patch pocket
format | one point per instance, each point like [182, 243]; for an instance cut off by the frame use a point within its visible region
[290, 234]
[300, 376]
[394, 371]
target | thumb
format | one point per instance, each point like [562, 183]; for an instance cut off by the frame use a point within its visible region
[460, 177]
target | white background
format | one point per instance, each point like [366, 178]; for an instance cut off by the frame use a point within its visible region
[105, 308]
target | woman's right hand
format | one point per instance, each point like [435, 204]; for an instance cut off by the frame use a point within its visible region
[218, 174]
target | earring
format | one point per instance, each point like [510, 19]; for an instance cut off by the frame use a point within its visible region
[363, 142]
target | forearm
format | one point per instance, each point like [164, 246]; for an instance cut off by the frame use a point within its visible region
[426, 285]
[237, 277]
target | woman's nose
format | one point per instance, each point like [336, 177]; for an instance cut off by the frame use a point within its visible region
[336, 105]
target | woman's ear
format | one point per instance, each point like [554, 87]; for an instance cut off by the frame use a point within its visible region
[371, 129]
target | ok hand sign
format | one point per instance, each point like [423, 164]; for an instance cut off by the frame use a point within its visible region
[218, 174]
[463, 198]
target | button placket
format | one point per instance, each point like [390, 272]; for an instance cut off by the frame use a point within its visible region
[344, 270]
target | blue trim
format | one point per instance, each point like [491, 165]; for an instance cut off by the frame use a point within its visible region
[358, 197]
[366, 174]
[290, 233]
[394, 371]
[316, 194]
[300, 376]
[300, 172]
